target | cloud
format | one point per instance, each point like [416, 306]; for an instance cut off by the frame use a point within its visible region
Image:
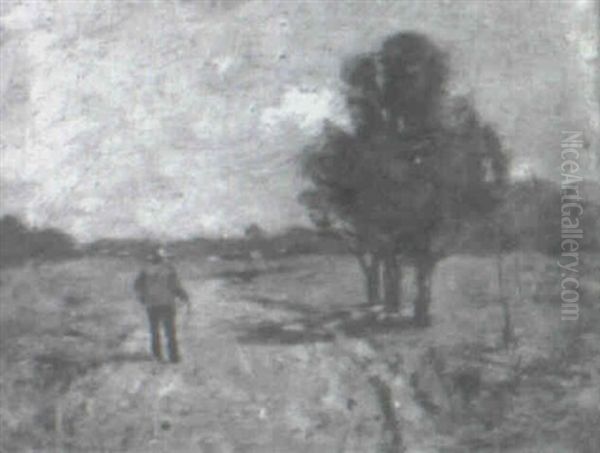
[305, 108]
[522, 170]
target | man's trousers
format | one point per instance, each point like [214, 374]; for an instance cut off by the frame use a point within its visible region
[163, 315]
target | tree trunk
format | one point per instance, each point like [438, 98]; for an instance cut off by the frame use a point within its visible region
[507, 329]
[373, 286]
[391, 280]
[425, 266]
[370, 265]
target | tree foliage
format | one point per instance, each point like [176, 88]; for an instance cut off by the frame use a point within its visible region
[417, 161]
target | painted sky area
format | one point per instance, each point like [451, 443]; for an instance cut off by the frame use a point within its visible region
[176, 119]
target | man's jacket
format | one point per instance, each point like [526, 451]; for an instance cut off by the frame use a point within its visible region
[158, 285]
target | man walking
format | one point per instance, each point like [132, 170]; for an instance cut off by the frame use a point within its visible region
[158, 287]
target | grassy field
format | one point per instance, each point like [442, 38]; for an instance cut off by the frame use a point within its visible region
[283, 356]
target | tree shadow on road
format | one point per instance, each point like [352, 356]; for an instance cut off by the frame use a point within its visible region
[281, 303]
[314, 326]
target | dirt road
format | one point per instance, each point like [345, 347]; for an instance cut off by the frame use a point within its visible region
[231, 395]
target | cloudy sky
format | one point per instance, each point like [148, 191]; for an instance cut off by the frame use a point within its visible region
[178, 118]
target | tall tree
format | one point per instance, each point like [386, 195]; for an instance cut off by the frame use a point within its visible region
[415, 164]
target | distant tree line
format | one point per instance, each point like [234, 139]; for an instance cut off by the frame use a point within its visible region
[293, 241]
[19, 243]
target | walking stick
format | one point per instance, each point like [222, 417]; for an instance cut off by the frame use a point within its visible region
[188, 310]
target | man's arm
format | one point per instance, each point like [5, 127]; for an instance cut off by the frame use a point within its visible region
[176, 287]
